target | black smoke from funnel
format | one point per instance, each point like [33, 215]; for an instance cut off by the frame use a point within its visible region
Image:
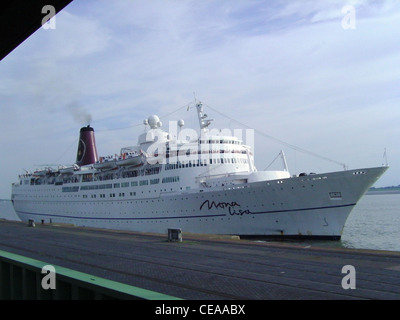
[79, 114]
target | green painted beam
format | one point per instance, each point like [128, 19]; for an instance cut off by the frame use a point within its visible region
[21, 278]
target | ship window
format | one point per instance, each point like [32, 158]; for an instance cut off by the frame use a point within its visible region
[70, 189]
[170, 179]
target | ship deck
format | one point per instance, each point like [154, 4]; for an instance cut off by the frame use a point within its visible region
[208, 267]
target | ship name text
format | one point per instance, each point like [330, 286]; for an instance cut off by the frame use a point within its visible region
[231, 206]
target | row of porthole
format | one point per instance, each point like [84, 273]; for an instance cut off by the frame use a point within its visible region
[162, 200]
[144, 221]
[114, 195]
[186, 198]
[102, 203]
[84, 196]
[303, 186]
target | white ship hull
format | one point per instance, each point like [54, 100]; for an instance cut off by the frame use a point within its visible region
[314, 206]
[206, 184]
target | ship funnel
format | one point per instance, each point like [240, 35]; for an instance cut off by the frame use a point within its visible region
[87, 152]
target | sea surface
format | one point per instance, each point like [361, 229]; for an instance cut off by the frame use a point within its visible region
[373, 224]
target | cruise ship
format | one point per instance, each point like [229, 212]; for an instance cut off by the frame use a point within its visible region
[206, 184]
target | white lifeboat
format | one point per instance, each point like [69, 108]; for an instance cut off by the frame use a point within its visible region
[67, 170]
[130, 159]
[105, 163]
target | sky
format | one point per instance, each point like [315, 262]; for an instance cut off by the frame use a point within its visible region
[319, 80]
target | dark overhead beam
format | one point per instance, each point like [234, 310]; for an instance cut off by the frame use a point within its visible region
[19, 19]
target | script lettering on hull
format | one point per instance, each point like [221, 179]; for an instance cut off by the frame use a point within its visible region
[231, 206]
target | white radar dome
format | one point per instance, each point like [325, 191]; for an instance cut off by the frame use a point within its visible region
[154, 121]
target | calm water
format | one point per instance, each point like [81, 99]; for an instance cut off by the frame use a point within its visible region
[373, 224]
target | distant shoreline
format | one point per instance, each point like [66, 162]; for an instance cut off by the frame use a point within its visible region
[381, 192]
[384, 190]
